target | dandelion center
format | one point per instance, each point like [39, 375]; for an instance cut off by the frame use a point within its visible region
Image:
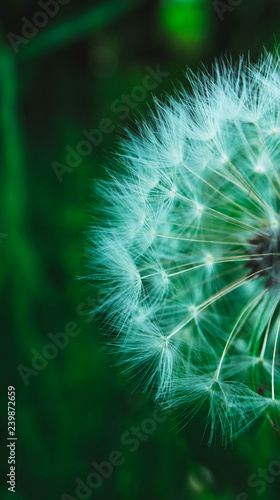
[267, 248]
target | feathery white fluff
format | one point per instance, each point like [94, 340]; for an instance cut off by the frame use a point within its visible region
[187, 245]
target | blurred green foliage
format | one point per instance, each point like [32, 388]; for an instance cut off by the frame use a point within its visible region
[187, 22]
[76, 408]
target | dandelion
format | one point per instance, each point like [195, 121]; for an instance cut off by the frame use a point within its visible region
[188, 247]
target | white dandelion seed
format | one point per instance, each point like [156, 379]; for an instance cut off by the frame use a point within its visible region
[188, 247]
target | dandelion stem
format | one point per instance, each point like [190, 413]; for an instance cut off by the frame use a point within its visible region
[250, 187]
[230, 220]
[202, 241]
[267, 330]
[218, 295]
[223, 195]
[236, 330]
[270, 155]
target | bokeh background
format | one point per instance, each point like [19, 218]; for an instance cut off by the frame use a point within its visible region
[73, 405]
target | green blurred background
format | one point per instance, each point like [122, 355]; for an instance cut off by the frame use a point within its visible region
[68, 76]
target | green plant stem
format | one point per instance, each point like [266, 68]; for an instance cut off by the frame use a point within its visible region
[21, 261]
[76, 27]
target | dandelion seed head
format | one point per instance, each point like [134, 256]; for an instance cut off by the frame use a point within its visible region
[187, 247]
